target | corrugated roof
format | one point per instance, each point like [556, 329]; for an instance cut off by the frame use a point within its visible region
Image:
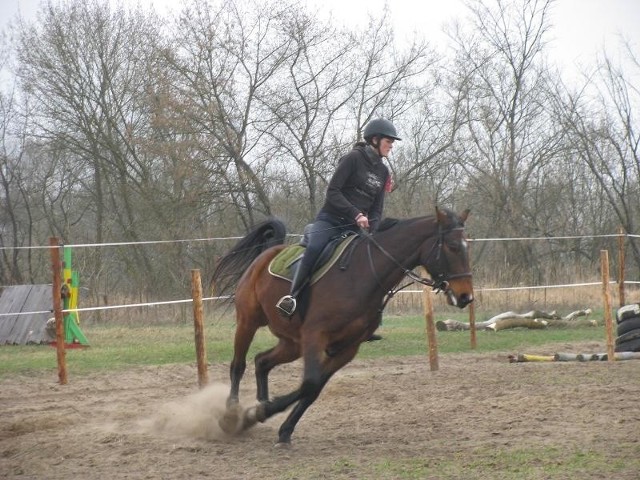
[27, 328]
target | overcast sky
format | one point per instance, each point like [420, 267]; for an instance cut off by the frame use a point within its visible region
[582, 28]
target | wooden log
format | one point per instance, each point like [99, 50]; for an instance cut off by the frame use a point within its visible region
[569, 357]
[577, 313]
[619, 356]
[525, 357]
[505, 323]
[584, 357]
[533, 319]
[532, 314]
[451, 325]
[559, 324]
[627, 355]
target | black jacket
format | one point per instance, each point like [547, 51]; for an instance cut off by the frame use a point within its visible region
[358, 186]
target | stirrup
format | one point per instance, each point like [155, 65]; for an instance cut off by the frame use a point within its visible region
[286, 306]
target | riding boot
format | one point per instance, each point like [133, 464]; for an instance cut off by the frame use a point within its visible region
[287, 305]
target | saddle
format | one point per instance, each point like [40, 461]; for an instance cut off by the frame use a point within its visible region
[285, 264]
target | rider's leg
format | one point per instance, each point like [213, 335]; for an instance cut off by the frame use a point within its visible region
[319, 235]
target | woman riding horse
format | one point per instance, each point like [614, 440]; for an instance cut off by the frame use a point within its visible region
[344, 306]
[354, 200]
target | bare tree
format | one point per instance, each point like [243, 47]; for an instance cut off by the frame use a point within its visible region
[306, 105]
[86, 68]
[11, 187]
[602, 121]
[509, 137]
[225, 56]
[337, 81]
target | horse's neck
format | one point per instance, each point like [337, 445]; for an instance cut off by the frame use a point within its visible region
[403, 243]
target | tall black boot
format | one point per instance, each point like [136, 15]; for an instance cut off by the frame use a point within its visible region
[287, 305]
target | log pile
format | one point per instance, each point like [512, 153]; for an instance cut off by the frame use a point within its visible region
[535, 319]
[569, 357]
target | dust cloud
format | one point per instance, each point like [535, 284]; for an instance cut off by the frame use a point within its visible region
[195, 416]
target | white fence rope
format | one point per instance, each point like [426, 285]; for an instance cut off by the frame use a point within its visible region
[170, 302]
[210, 239]
[190, 300]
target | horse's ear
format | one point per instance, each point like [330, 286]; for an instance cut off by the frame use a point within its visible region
[441, 215]
[464, 215]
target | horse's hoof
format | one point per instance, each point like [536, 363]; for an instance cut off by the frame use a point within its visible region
[283, 445]
[230, 423]
[253, 415]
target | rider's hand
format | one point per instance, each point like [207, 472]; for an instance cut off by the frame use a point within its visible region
[362, 221]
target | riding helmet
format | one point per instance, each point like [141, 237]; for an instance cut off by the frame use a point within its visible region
[380, 127]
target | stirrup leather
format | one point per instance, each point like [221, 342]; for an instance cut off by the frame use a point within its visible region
[287, 305]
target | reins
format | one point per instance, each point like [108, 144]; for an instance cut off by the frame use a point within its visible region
[440, 284]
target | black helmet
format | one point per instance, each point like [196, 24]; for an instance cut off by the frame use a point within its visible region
[380, 127]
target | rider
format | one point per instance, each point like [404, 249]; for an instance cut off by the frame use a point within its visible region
[354, 200]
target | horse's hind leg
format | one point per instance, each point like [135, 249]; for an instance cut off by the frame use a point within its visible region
[233, 419]
[245, 332]
[284, 352]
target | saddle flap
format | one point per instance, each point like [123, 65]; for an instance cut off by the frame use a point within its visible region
[285, 263]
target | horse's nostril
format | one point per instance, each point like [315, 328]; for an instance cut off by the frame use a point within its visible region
[465, 299]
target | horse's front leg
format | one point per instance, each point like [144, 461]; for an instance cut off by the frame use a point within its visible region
[319, 368]
[312, 383]
[309, 394]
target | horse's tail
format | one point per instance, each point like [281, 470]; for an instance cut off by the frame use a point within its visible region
[232, 265]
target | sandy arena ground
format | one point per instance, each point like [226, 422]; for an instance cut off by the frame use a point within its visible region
[154, 422]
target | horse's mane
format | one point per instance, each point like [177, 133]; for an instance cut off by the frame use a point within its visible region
[232, 265]
[390, 222]
[386, 223]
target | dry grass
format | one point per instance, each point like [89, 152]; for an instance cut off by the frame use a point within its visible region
[492, 300]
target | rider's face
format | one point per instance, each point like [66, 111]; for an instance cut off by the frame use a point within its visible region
[386, 144]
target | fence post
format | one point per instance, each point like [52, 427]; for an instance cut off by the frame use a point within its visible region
[56, 292]
[431, 329]
[201, 354]
[472, 314]
[621, 261]
[608, 321]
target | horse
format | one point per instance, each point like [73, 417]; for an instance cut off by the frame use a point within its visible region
[342, 309]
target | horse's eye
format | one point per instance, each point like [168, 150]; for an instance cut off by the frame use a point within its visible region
[455, 247]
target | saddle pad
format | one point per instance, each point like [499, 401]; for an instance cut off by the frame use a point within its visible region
[281, 265]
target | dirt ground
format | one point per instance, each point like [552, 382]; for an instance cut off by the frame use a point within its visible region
[465, 420]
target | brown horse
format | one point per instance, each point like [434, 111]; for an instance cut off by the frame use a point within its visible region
[343, 308]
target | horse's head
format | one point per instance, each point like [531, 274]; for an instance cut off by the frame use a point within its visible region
[448, 261]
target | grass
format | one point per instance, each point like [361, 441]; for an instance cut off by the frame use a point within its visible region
[120, 347]
[511, 463]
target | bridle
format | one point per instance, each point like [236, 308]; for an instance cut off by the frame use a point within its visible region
[439, 283]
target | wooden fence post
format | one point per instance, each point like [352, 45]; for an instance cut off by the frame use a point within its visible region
[201, 354]
[606, 295]
[56, 292]
[621, 261]
[472, 326]
[472, 314]
[431, 328]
